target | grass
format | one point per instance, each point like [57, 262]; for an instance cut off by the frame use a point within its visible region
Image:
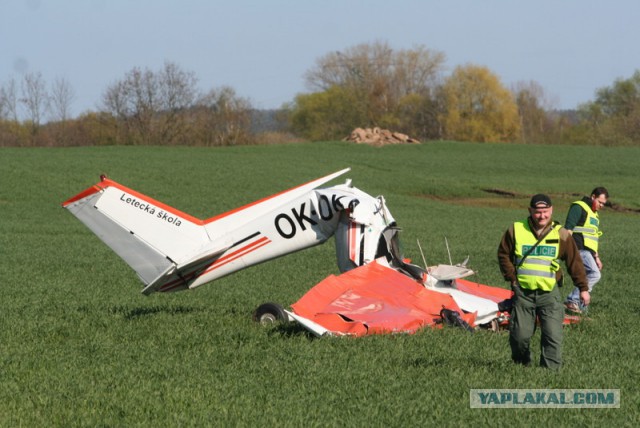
[80, 346]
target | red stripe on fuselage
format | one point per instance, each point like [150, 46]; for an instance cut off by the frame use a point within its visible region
[216, 264]
[239, 253]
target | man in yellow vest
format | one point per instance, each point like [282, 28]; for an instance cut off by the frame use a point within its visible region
[529, 255]
[583, 222]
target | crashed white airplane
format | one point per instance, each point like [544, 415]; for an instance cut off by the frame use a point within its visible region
[378, 291]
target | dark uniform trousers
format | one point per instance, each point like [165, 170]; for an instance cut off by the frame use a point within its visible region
[547, 307]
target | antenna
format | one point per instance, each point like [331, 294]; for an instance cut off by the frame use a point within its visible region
[464, 263]
[422, 254]
[448, 252]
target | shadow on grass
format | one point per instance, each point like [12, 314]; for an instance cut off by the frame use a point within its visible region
[134, 313]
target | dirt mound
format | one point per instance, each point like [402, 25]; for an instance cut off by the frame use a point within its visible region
[379, 137]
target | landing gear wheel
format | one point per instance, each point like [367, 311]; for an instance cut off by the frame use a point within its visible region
[269, 313]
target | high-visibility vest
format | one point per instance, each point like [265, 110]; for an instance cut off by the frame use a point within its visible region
[538, 269]
[590, 229]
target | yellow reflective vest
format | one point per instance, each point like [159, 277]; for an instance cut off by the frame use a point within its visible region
[590, 229]
[538, 269]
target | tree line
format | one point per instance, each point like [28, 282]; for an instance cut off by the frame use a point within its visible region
[367, 85]
[145, 107]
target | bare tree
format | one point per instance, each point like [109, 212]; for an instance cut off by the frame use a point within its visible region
[115, 106]
[62, 96]
[379, 79]
[533, 106]
[35, 99]
[10, 129]
[178, 92]
[178, 88]
[134, 101]
[143, 99]
[9, 101]
[223, 118]
[150, 106]
[377, 65]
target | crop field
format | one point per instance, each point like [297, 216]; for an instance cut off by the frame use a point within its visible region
[81, 346]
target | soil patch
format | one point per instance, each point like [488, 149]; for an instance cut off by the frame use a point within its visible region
[502, 198]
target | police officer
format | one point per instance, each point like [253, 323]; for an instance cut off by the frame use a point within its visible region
[528, 256]
[583, 222]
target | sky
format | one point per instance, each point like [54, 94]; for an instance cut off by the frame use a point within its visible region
[262, 49]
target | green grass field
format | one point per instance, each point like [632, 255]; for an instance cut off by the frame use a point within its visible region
[80, 346]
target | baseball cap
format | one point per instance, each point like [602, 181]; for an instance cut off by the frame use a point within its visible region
[540, 201]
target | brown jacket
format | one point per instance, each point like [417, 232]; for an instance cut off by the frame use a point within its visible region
[568, 252]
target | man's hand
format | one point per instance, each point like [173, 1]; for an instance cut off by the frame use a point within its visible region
[598, 262]
[585, 297]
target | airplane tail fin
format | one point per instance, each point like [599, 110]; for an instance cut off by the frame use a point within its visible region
[149, 236]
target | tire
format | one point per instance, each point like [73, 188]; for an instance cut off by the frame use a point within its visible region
[269, 313]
